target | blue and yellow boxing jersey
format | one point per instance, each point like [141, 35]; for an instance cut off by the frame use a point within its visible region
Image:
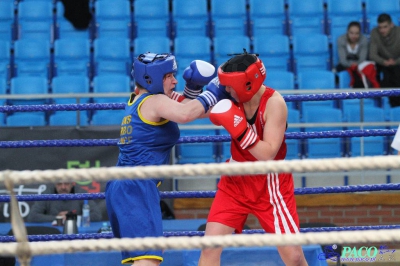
[143, 142]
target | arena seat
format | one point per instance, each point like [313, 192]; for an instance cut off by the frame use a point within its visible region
[5, 56]
[310, 52]
[267, 17]
[107, 118]
[235, 45]
[151, 18]
[67, 119]
[116, 83]
[190, 18]
[280, 80]
[7, 20]
[26, 119]
[372, 146]
[70, 84]
[112, 61]
[228, 19]
[317, 79]
[35, 20]
[202, 152]
[323, 147]
[189, 48]
[113, 19]
[111, 83]
[306, 16]
[32, 58]
[371, 114]
[274, 51]
[154, 44]
[294, 146]
[28, 85]
[72, 57]
[344, 79]
[3, 90]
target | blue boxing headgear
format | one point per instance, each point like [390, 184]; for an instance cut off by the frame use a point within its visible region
[149, 70]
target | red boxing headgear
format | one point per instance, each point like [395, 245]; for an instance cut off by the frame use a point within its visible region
[245, 73]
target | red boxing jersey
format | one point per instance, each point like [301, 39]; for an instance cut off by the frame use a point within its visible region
[269, 196]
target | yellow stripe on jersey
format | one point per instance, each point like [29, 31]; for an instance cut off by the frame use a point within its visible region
[147, 121]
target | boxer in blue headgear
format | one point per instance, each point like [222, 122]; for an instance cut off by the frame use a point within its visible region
[148, 133]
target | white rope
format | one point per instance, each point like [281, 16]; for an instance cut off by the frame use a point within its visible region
[254, 240]
[164, 171]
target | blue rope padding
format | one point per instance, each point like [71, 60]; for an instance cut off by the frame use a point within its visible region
[205, 194]
[37, 238]
[116, 106]
[61, 107]
[193, 139]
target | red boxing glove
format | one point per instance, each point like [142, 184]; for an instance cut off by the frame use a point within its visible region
[228, 115]
[177, 96]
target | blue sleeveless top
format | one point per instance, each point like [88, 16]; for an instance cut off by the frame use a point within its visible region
[143, 142]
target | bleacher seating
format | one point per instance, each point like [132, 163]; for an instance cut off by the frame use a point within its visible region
[28, 85]
[6, 20]
[190, 18]
[5, 63]
[116, 60]
[32, 58]
[324, 147]
[274, 51]
[151, 18]
[267, 17]
[228, 20]
[65, 85]
[26, 119]
[294, 147]
[72, 57]
[189, 48]
[202, 152]
[317, 79]
[154, 44]
[116, 83]
[70, 84]
[311, 52]
[113, 19]
[235, 45]
[35, 20]
[306, 16]
[280, 80]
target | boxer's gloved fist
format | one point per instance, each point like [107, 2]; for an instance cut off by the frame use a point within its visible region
[198, 74]
[176, 96]
[213, 94]
[228, 115]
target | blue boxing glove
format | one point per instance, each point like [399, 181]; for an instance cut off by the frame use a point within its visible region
[213, 94]
[198, 74]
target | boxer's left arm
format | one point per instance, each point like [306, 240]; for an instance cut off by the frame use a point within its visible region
[274, 129]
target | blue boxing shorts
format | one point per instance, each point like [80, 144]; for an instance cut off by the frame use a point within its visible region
[133, 207]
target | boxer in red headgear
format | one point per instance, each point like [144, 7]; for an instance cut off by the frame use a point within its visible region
[256, 121]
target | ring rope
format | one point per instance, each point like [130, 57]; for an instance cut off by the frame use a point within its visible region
[185, 242]
[206, 194]
[116, 106]
[194, 139]
[186, 170]
[59, 237]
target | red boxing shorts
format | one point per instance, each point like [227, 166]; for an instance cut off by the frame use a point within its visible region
[268, 197]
